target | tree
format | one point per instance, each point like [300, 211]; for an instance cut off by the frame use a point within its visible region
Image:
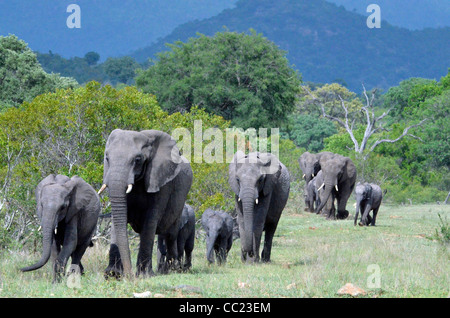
[92, 58]
[242, 77]
[21, 76]
[121, 69]
[347, 118]
[309, 132]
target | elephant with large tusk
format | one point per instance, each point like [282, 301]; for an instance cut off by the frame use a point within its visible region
[339, 176]
[148, 182]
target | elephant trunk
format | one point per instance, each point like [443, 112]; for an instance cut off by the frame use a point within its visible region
[119, 217]
[325, 195]
[358, 206]
[212, 237]
[248, 206]
[48, 228]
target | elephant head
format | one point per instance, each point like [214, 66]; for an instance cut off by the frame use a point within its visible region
[309, 163]
[252, 178]
[58, 198]
[339, 173]
[150, 158]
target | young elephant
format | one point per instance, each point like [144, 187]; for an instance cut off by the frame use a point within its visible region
[219, 234]
[368, 197]
[311, 196]
[71, 206]
[185, 241]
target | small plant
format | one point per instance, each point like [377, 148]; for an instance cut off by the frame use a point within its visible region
[442, 233]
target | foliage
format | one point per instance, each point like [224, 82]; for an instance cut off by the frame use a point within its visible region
[242, 77]
[21, 76]
[309, 132]
[65, 132]
[326, 42]
[120, 70]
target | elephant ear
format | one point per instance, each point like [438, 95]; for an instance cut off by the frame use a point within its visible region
[79, 195]
[50, 179]
[232, 171]
[272, 166]
[164, 162]
[367, 191]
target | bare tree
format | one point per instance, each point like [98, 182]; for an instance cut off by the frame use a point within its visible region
[374, 124]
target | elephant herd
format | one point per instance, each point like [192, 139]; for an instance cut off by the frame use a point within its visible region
[148, 181]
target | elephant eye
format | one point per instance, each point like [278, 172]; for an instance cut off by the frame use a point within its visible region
[138, 159]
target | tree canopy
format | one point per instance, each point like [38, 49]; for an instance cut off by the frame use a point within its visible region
[21, 76]
[242, 77]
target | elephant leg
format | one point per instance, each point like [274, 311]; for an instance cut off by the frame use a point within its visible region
[375, 212]
[342, 198]
[144, 259]
[78, 254]
[172, 252]
[268, 237]
[115, 267]
[365, 215]
[189, 247]
[222, 251]
[70, 244]
[161, 254]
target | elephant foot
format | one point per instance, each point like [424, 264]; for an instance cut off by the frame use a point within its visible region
[113, 271]
[342, 215]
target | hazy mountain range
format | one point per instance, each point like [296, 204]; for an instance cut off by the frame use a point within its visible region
[325, 41]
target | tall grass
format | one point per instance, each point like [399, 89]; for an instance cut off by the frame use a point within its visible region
[311, 257]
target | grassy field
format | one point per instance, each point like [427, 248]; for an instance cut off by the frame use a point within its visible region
[311, 257]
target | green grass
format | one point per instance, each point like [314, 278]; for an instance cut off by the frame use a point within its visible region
[311, 257]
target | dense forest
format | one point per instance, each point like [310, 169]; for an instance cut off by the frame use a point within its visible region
[52, 124]
[327, 43]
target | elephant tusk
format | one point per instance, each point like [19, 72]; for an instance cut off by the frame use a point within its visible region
[323, 184]
[256, 201]
[304, 175]
[239, 199]
[102, 189]
[130, 187]
[336, 187]
[313, 175]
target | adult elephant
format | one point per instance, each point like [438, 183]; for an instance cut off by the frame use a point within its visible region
[339, 173]
[148, 181]
[261, 185]
[68, 209]
[310, 165]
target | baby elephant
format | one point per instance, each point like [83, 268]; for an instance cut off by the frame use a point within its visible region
[368, 197]
[219, 234]
[71, 206]
[185, 242]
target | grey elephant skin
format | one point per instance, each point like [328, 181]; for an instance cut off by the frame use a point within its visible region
[261, 184]
[311, 195]
[329, 209]
[339, 175]
[148, 182]
[185, 242]
[218, 226]
[368, 198]
[71, 206]
[310, 165]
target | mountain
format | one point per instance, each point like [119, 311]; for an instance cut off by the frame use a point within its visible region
[410, 14]
[108, 27]
[327, 43]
